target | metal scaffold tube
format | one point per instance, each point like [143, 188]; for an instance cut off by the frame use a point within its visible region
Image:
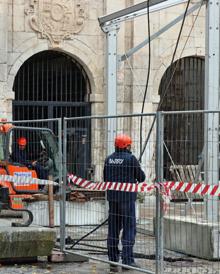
[212, 83]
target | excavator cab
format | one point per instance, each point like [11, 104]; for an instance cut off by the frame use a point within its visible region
[42, 148]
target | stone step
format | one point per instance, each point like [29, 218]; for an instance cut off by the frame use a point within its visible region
[192, 236]
[24, 242]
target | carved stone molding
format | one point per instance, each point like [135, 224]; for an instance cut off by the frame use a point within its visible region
[57, 19]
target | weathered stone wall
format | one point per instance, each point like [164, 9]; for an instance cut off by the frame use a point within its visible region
[192, 43]
[79, 35]
[5, 94]
[21, 37]
[85, 42]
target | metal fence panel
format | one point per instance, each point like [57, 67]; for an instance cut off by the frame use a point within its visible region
[179, 236]
[182, 165]
[191, 223]
[86, 210]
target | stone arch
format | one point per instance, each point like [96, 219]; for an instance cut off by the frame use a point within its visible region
[182, 89]
[166, 59]
[183, 80]
[80, 52]
[33, 109]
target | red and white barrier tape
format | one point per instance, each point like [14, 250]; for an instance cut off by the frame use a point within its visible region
[103, 186]
[199, 188]
[23, 180]
[126, 187]
[166, 187]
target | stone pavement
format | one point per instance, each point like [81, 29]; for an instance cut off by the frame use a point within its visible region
[94, 267]
[59, 268]
[145, 245]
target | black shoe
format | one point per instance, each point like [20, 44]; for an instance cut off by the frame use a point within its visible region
[113, 268]
[124, 268]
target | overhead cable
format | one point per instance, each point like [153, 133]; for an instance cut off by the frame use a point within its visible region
[175, 67]
[147, 82]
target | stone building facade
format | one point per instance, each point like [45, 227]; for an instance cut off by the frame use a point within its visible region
[70, 27]
[31, 26]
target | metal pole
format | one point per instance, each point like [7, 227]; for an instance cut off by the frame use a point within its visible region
[62, 181]
[159, 204]
[211, 135]
[111, 83]
[136, 11]
[158, 33]
[99, 259]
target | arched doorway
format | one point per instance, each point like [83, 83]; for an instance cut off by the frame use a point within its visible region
[182, 88]
[51, 84]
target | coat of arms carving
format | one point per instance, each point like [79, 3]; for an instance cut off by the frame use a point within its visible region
[57, 19]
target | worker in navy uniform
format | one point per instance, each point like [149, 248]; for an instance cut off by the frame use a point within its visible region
[122, 166]
[20, 155]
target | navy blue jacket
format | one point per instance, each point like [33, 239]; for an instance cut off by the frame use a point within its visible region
[122, 166]
[20, 156]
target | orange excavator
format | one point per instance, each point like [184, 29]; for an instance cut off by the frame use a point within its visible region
[43, 145]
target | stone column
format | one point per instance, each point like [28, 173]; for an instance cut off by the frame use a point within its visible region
[5, 105]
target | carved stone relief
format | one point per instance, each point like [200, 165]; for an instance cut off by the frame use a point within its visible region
[57, 19]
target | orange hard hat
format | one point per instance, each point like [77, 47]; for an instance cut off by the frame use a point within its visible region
[22, 141]
[5, 127]
[122, 141]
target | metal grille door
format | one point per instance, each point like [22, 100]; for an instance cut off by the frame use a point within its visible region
[51, 84]
[182, 88]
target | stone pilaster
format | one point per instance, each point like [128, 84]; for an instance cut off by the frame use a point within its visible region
[5, 103]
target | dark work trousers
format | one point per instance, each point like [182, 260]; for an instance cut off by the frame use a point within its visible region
[121, 216]
[41, 172]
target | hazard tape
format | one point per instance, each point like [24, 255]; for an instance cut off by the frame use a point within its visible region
[25, 180]
[199, 188]
[103, 186]
[165, 187]
[126, 187]
[144, 187]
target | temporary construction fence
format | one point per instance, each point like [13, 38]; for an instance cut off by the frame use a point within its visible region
[191, 158]
[87, 210]
[177, 207]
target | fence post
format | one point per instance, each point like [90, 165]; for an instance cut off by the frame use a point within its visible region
[62, 178]
[159, 204]
[212, 82]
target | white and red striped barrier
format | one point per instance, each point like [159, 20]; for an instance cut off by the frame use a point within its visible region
[165, 187]
[25, 180]
[199, 188]
[103, 186]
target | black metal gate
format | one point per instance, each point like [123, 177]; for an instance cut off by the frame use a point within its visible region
[182, 88]
[51, 84]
